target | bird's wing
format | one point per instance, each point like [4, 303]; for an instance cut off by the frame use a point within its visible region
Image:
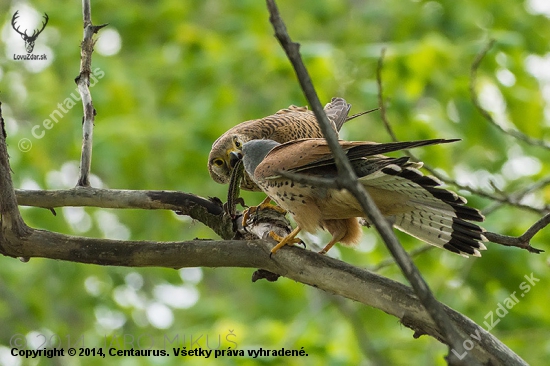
[358, 149]
[292, 108]
[414, 203]
[305, 154]
[291, 156]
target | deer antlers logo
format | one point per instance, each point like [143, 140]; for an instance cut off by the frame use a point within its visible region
[29, 40]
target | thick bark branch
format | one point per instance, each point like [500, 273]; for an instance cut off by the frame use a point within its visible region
[10, 218]
[297, 264]
[209, 212]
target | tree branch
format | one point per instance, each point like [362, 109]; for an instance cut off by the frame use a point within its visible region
[500, 198]
[523, 240]
[347, 179]
[207, 211]
[83, 83]
[304, 266]
[10, 217]
[475, 100]
[512, 199]
[515, 198]
[381, 103]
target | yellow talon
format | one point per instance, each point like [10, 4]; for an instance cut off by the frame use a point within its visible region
[266, 203]
[335, 239]
[287, 240]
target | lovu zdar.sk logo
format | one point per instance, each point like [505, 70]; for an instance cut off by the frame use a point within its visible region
[29, 39]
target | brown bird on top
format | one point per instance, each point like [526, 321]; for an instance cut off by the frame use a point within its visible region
[286, 125]
[410, 201]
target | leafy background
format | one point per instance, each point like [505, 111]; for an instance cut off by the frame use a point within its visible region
[177, 74]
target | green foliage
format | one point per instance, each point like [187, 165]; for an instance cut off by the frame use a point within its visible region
[188, 71]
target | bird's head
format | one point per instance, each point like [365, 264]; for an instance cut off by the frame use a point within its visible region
[253, 152]
[220, 163]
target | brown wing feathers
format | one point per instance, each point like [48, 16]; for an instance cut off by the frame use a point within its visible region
[429, 212]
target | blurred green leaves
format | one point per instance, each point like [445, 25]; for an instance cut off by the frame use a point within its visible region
[188, 71]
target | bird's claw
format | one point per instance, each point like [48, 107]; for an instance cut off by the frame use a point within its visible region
[265, 204]
[287, 240]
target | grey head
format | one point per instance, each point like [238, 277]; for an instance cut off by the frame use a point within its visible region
[254, 153]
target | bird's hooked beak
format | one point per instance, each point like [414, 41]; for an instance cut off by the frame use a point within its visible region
[234, 157]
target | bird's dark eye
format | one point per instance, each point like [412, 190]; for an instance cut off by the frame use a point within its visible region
[237, 144]
[218, 162]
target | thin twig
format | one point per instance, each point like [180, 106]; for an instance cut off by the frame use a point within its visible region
[83, 82]
[348, 180]
[475, 100]
[381, 103]
[515, 198]
[354, 116]
[502, 198]
[523, 240]
[391, 261]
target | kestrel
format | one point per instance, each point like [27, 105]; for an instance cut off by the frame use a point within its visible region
[410, 201]
[286, 125]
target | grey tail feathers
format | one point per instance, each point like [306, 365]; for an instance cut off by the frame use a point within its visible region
[337, 112]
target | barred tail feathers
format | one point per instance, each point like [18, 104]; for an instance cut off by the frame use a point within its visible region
[443, 230]
[437, 216]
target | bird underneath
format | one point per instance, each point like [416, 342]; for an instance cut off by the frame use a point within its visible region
[410, 201]
[286, 125]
